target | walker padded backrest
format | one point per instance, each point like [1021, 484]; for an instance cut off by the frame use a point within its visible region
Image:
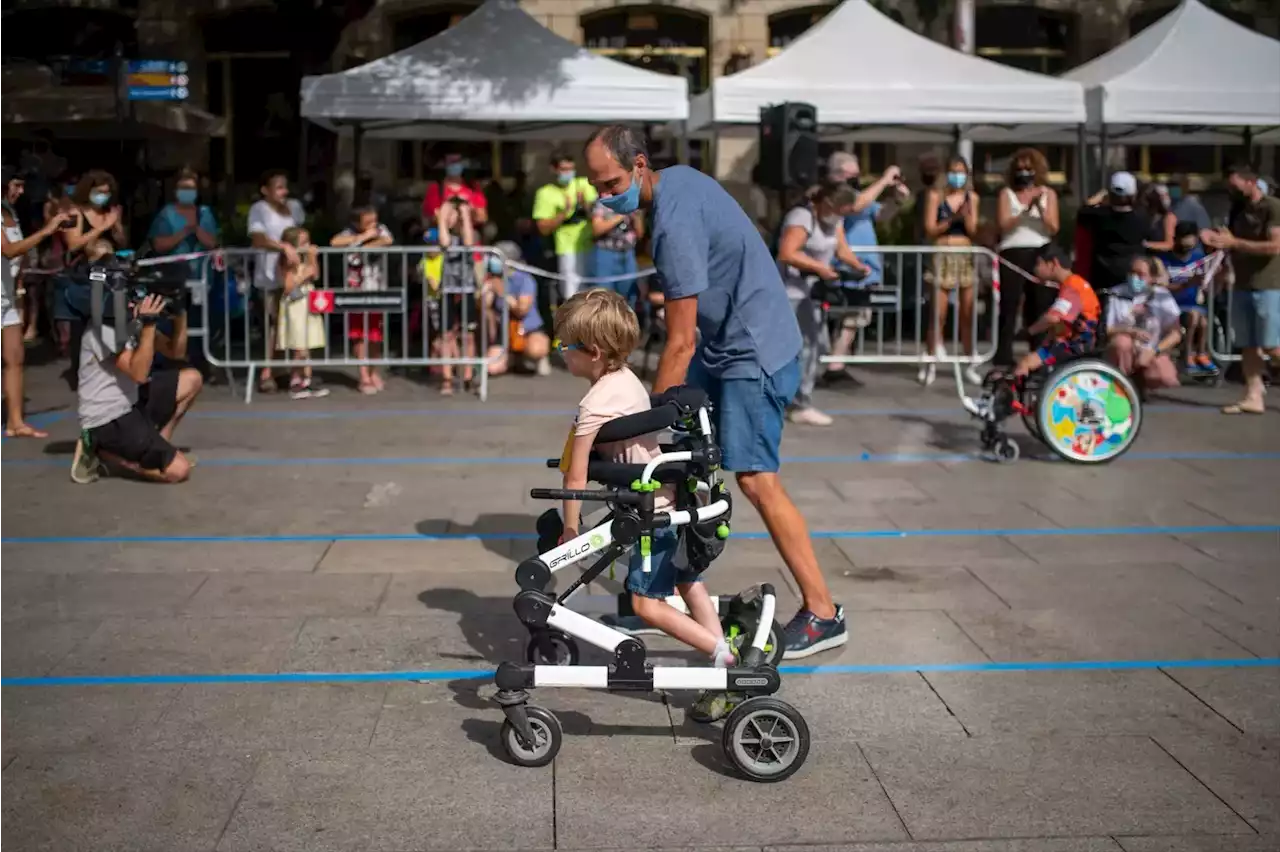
[643, 423]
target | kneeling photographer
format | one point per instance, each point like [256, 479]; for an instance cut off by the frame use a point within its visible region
[127, 413]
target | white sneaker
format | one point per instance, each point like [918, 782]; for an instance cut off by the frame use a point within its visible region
[544, 366]
[810, 417]
[972, 376]
[928, 371]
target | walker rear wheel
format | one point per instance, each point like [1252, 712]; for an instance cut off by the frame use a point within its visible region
[739, 633]
[551, 648]
[766, 739]
[547, 735]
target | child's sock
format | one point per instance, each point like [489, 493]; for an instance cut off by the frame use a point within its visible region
[722, 657]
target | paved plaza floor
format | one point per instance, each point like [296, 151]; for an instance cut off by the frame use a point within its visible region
[1043, 657]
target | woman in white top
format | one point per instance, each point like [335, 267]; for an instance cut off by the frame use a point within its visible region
[1028, 216]
[13, 248]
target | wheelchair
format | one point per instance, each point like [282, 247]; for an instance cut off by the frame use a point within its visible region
[1082, 408]
[764, 738]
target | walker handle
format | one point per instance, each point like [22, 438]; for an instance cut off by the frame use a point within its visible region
[610, 495]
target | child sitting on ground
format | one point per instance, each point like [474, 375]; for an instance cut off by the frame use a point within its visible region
[299, 330]
[1071, 323]
[597, 331]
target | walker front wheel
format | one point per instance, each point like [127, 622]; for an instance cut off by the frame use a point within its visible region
[547, 736]
[766, 739]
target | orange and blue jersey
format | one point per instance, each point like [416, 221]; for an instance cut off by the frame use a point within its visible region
[1075, 312]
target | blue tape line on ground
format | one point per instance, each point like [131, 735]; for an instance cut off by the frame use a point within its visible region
[478, 674]
[881, 458]
[818, 534]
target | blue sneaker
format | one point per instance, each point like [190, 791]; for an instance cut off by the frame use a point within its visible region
[632, 625]
[806, 634]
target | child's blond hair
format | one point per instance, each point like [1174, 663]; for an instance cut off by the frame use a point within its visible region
[293, 235]
[600, 319]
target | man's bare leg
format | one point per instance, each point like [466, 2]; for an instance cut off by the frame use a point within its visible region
[189, 384]
[790, 535]
[177, 471]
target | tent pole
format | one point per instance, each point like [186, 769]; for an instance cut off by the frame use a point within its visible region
[1082, 163]
[357, 137]
[1102, 155]
[1246, 141]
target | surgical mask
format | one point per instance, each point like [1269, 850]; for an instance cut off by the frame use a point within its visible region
[99, 199]
[186, 195]
[565, 178]
[1138, 284]
[454, 169]
[957, 180]
[627, 201]
[496, 266]
[1023, 178]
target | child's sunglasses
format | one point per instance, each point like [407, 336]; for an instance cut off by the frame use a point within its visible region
[564, 347]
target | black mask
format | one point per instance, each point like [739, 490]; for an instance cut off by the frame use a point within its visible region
[1236, 196]
[855, 182]
[1023, 179]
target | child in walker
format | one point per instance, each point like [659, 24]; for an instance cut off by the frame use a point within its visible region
[1070, 325]
[299, 330]
[596, 331]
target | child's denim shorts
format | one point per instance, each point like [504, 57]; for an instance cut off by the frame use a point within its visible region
[663, 576]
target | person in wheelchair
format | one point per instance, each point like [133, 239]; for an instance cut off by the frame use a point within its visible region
[596, 332]
[1070, 326]
[1143, 327]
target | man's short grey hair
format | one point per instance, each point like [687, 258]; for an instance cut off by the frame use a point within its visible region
[839, 163]
[623, 142]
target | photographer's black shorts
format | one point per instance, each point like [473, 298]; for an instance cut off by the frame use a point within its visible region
[135, 437]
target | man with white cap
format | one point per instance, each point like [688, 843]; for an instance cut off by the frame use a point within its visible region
[1117, 231]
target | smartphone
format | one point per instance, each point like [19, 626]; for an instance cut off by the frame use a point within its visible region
[68, 225]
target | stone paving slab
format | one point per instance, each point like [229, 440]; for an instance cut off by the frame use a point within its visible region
[1007, 786]
[1073, 844]
[912, 587]
[126, 799]
[83, 718]
[182, 646]
[611, 789]
[1243, 770]
[1216, 843]
[1258, 548]
[1085, 584]
[1073, 703]
[159, 557]
[1156, 631]
[1251, 625]
[256, 594]
[32, 647]
[31, 595]
[940, 550]
[394, 643]
[1250, 699]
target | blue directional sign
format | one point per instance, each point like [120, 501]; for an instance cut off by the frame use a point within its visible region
[156, 66]
[158, 93]
[157, 80]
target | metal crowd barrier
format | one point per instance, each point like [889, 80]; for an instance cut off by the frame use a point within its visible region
[426, 314]
[1218, 295]
[901, 307]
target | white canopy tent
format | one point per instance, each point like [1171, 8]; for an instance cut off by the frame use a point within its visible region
[498, 74]
[1192, 77]
[901, 80]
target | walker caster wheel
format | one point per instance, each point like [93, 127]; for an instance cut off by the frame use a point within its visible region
[1007, 451]
[551, 648]
[766, 739]
[739, 635]
[547, 735]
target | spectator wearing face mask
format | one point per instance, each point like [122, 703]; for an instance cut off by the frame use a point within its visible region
[1143, 327]
[1185, 267]
[1155, 200]
[562, 210]
[183, 225]
[812, 240]
[951, 220]
[99, 217]
[1027, 214]
[860, 230]
[454, 186]
[1116, 231]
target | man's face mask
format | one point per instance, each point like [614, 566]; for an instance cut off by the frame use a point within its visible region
[454, 169]
[186, 195]
[565, 178]
[627, 201]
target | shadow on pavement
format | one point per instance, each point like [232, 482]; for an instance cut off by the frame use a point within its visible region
[492, 530]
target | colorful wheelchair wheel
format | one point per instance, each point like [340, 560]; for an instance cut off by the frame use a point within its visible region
[547, 736]
[738, 632]
[766, 739]
[551, 648]
[1088, 412]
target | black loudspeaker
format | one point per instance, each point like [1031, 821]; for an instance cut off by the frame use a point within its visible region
[788, 146]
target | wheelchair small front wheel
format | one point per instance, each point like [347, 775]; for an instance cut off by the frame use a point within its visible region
[1006, 450]
[739, 633]
[551, 648]
[766, 739]
[547, 735]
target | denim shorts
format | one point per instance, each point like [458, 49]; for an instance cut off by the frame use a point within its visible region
[748, 414]
[1255, 318]
[663, 576]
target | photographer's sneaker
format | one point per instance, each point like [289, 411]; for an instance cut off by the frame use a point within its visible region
[806, 634]
[85, 466]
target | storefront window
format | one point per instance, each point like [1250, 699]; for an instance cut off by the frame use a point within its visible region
[1026, 37]
[786, 27]
[657, 38]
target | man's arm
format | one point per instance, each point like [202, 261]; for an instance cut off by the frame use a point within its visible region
[136, 363]
[682, 339]
[869, 195]
[547, 211]
[1270, 246]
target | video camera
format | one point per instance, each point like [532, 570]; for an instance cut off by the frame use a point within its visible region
[121, 274]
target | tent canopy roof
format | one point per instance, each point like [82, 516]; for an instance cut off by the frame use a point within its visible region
[896, 77]
[1191, 67]
[497, 73]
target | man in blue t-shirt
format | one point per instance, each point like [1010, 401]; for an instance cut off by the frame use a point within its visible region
[719, 278]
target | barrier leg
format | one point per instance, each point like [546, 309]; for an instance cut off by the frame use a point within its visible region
[248, 384]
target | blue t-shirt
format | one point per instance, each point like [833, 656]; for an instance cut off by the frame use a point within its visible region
[1182, 269]
[704, 245]
[521, 284]
[169, 222]
[860, 230]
